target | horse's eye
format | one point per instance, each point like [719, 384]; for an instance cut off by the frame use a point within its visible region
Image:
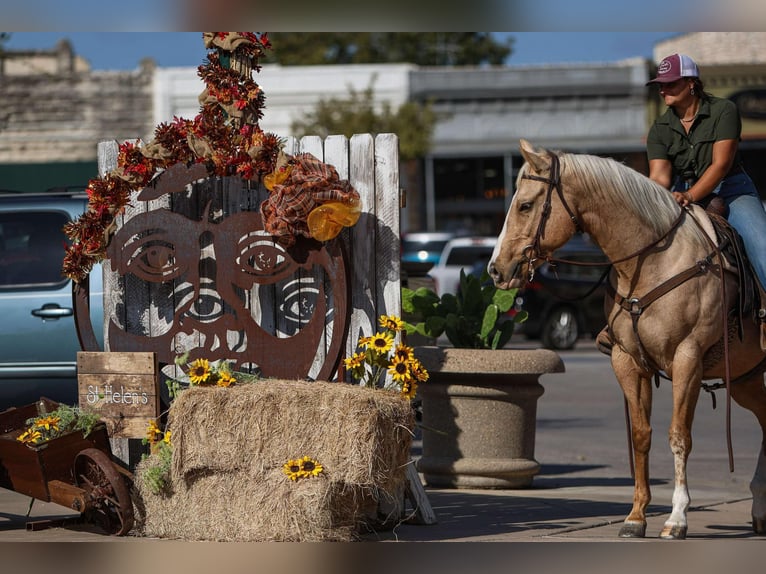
[525, 206]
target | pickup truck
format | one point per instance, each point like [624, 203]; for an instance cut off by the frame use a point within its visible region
[38, 338]
[460, 253]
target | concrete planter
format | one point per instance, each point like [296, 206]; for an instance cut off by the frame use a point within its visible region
[483, 404]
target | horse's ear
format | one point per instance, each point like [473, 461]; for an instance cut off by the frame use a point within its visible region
[536, 158]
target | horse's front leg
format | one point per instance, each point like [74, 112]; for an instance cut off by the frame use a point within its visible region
[637, 388]
[687, 376]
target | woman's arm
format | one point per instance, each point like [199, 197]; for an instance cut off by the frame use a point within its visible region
[661, 171]
[724, 152]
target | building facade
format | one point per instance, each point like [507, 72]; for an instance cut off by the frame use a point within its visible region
[55, 110]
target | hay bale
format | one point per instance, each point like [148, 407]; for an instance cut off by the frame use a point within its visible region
[229, 445]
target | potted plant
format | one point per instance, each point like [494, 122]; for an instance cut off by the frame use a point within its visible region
[479, 406]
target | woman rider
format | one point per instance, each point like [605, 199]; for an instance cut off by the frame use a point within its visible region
[693, 151]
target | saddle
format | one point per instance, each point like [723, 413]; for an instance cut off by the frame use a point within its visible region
[751, 294]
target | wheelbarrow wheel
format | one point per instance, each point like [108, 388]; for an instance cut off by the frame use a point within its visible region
[110, 506]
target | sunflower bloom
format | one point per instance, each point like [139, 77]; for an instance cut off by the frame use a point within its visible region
[381, 342]
[166, 438]
[391, 323]
[199, 372]
[355, 364]
[310, 467]
[225, 379]
[30, 435]
[48, 423]
[153, 432]
[409, 388]
[292, 468]
[400, 370]
[404, 353]
[418, 371]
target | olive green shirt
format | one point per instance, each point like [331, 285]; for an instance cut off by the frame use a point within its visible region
[717, 119]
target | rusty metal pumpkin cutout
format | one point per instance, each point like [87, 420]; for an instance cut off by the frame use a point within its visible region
[220, 287]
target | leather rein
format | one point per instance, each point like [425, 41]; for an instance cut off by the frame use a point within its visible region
[636, 305]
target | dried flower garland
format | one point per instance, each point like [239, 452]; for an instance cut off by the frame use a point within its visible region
[225, 136]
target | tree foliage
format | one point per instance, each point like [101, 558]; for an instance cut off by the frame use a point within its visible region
[357, 114]
[421, 48]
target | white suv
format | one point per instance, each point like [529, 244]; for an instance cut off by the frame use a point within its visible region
[460, 253]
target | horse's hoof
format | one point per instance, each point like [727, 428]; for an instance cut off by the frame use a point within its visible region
[633, 530]
[673, 532]
[759, 526]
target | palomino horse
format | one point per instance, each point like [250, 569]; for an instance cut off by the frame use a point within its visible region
[651, 242]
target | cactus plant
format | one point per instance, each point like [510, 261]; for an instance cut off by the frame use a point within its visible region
[476, 317]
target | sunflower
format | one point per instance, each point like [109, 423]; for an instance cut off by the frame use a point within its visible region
[199, 372]
[381, 342]
[310, 467]
[391, 323]
[292, 468]
[404, 353]
[419, 371]
[400, 370]
[225, 379]
[409, 388]
[166, 437]
[30, 435]
[355, 364]
[48, 423]
[153, 432]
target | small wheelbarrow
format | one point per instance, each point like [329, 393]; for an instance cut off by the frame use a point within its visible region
[71, 470]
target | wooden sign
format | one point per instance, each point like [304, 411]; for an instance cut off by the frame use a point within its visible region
[122, 387]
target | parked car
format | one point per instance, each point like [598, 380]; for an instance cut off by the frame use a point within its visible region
[425, 246]
[460, 253]
[561, 301]
[38, 339]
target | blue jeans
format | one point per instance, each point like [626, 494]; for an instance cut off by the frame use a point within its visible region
[748, 217]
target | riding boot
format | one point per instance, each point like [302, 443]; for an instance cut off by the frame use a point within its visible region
[604, 342]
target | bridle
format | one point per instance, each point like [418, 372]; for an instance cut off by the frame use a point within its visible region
[532, 252]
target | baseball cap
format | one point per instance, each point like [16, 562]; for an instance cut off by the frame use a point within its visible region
[673, 68]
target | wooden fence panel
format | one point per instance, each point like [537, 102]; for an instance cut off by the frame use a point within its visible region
[138, 312]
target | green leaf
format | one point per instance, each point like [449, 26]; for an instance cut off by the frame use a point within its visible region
[434, 326]
[488, 322]
[504, 334]
[504, 299]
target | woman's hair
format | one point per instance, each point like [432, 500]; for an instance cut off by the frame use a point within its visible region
[699, 88]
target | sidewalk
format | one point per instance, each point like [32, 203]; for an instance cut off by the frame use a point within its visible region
[582, 493]
[591, 512]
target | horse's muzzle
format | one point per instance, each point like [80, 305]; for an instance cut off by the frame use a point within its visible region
[501, 282]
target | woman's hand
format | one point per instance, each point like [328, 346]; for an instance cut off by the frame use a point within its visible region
[683, 198]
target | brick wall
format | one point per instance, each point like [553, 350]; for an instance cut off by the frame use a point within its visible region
[707, 48]
[60, 116]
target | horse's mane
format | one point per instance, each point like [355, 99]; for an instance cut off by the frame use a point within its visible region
[651, 203]
[644, 198]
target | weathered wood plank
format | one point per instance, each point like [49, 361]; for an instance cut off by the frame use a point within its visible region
[387, 247]
[138, 363]
[362, 251]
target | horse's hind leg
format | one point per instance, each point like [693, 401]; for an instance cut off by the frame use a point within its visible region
[752, 396]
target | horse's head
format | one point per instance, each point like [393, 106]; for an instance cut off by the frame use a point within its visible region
[539, 220]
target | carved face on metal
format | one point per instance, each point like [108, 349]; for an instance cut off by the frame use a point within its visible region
[206, 278]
